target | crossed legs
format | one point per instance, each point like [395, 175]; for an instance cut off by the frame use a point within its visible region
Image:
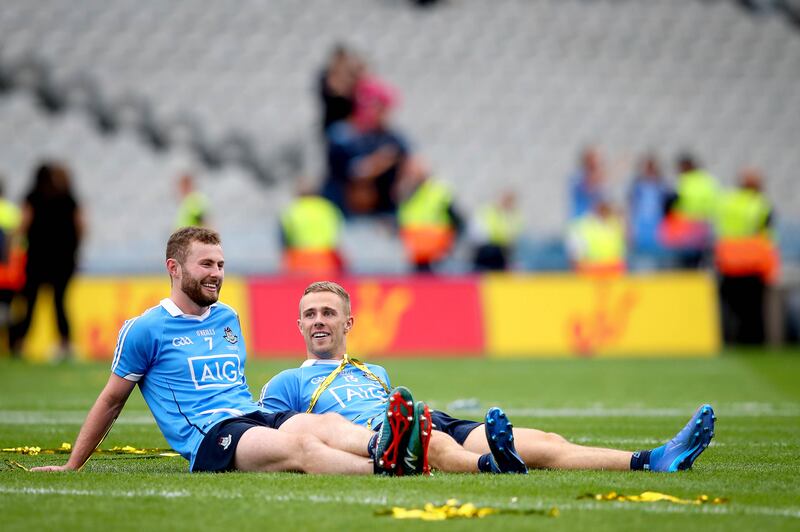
[307, 443]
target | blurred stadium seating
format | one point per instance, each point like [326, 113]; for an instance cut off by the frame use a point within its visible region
[494, 93]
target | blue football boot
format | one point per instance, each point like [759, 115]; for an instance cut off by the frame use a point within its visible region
[681, 451]
[500, 436]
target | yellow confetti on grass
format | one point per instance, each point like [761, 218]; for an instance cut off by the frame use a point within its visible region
[66, 448]
[452, 509]
[652, 496]
[11, 464]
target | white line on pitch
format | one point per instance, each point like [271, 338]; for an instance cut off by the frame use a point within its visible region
[728, 509]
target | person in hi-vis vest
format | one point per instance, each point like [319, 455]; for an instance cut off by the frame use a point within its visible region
[427, 218]
[596, 241]
[746, 257]
[690, 214]
[310, 229]
[494, 231]
[193, 208]
[12, 262]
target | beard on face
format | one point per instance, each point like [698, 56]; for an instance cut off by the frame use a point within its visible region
[194, 290]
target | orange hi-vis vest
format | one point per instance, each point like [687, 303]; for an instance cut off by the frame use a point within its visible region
[12, 272]
[739, 257]
[312, 262]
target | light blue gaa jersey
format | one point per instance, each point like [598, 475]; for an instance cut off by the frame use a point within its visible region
[190, 370]
[351, 394]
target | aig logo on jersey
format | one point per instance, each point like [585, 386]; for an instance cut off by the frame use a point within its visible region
[181, 341]
[215, 371]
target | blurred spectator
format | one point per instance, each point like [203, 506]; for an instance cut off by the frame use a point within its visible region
[53, 224]
[427, 217]
[647, 199]
[596, 240]
[365, 153]
[697, 190]
[193, 207]
[310, 234]
[337, 84]
[587, 184]
[11, 267]
[494, 231]
[686, 228]
[746, 258]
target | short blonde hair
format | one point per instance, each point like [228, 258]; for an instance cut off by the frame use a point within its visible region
[334, 288]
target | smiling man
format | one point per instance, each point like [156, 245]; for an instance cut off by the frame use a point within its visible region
[331, 381]
[187, 355]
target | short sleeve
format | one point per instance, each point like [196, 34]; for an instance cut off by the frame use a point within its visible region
[281, 393]
[134, 351]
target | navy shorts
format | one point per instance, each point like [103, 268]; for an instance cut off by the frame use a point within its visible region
[218, 447]
[459, 429]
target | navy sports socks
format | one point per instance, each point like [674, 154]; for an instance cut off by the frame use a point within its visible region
[371, 445]
[640, 461]
[485, 463]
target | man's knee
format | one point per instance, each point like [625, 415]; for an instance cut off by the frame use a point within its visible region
[552, 437]
[332, 419]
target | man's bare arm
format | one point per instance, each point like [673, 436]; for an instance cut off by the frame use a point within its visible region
[98, 422]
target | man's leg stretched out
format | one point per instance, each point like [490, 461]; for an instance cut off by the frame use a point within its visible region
[540, 449]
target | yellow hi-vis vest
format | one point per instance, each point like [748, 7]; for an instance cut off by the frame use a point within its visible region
[425, 225]
[13, 257]
[601, 242]
[10, 216]
[744, 244]
[742, 213]
[697, 195]
[426, 207]
[192, 211]
[312, 223]
[502, 227]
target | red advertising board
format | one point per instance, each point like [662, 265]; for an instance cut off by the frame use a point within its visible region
[404, 316]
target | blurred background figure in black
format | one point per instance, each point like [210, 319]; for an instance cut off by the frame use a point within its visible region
[53, 225]
[337, 85]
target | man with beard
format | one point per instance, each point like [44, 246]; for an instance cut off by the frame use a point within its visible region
[187, 355]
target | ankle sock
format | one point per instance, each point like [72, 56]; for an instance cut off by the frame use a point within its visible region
[640, 461]
[485, 463]
[371, 445]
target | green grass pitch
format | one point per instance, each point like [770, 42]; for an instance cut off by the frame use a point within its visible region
[629, 404]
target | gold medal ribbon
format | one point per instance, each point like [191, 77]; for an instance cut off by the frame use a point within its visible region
[333, 374]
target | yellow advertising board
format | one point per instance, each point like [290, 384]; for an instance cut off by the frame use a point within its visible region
[568, 315]
[98, 306]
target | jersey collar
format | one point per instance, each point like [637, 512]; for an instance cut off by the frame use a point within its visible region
[170, 306]
[311, 362]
